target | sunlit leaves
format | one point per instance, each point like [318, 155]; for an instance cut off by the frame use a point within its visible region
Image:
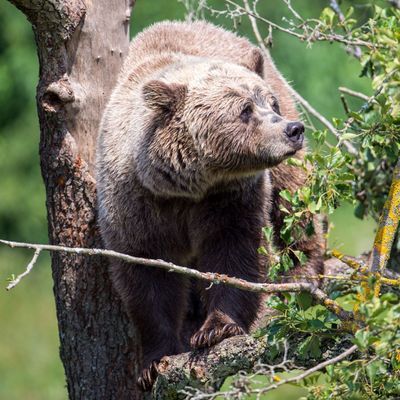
[334, 176]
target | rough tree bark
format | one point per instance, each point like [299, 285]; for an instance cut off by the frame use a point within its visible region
[81, 45]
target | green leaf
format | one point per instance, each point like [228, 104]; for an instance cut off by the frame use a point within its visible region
[304, 300]
[285, 194]
[287, 262]
[310, 347]
[312, 207]
[295, 162]
[361, 338]
[268, 233]
[315, 347]
[348, 136]
[372, 369]
[349, 12]
[356, 116]
[300, 256]
[390, 297]
[303, 348]
[327, 16]
[316, 324]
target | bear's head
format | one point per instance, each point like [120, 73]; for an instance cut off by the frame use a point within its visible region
[222, 117]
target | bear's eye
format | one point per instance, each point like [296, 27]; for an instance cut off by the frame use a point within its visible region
[245, 115]
[275, 105]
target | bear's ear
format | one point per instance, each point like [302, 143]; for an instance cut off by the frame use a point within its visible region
[255, 62]
[160, 96]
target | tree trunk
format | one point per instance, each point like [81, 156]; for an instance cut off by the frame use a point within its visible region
[81, 46]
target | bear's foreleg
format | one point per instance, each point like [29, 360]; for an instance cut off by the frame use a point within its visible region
[230, 239]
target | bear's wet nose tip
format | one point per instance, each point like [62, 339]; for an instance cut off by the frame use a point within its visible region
[295, 131]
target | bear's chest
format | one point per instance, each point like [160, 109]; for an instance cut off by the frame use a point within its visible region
[169, 230]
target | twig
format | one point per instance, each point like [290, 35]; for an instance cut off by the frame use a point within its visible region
[253, 23]
[388, 224]
[310, 109]
[29, 267]
[292, 10]
[298, 378]
[330, 37]
[345, 105]
[353, 50]
[354, 93]
[193, 11]
[213, 277]
[335, 7]
[352, 262]
[383, 277]
[353, 278]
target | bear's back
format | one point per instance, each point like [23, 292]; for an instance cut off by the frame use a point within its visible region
[198, 38]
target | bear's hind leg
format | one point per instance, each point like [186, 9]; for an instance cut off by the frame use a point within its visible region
[156, 302]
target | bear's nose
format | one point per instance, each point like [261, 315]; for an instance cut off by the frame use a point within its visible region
[295, 131]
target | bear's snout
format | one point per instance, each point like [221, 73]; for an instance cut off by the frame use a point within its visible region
[295, 132]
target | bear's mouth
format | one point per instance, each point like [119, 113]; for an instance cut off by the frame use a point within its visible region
[290, 153]
[295, 146]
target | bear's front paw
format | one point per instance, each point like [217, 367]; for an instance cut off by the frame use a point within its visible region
[148, 377]
[209, 336]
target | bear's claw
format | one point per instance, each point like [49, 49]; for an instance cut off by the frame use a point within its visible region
[148, 377]
[209, 337]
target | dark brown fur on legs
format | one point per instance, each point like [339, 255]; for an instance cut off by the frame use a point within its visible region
[228, 244]
[157, 314]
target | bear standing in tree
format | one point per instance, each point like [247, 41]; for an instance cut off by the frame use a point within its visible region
[184, 173]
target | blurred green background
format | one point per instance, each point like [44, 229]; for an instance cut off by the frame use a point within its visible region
[30, 368]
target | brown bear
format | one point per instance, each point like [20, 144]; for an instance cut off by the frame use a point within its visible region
[188, 171]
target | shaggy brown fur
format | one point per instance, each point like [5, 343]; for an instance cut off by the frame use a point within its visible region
[186, 144]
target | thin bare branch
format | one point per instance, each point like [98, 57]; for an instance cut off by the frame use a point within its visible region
[29, 267]
[356, 264]
[292, 10]
[298, 378]
[335, 7]
[211, 277]
[353, 278]
[254, 26]
[354, 93]
[355, 51]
